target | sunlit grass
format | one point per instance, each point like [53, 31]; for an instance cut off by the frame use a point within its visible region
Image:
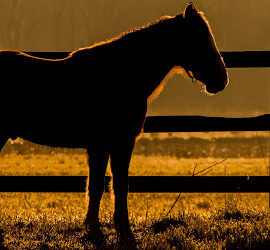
[43, 164]
[76, 164]
[55, 221]
[167, 165]
[202, 221]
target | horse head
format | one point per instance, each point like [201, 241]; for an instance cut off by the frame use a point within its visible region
[203, 60]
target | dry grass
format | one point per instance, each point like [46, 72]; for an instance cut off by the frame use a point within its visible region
[76, 164]
[45, 221]
[198, 221]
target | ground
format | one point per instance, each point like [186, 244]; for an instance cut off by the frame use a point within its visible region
[197, 221]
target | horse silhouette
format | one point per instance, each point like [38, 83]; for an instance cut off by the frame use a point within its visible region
[96, 98]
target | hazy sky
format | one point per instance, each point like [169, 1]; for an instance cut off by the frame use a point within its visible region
[65, 25]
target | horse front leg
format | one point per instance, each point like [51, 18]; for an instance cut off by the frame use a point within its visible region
[97, 160]
[120, 159]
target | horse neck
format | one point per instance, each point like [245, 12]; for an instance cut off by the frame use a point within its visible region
[159, 53]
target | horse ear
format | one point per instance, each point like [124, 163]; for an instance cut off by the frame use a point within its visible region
[190, 10]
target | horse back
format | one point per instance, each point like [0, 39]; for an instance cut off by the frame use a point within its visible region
[77, 97]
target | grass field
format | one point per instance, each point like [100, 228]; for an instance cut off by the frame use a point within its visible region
[197, 221]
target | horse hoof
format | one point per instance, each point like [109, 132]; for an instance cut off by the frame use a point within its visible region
[93, 226]
[123, 230]
[94, 235]
[126, 233]
[127, 238]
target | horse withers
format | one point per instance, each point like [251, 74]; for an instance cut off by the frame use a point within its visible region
[96, 98]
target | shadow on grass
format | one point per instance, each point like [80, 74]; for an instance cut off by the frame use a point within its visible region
[126, 242]
[101, 241]
[2, 240]
[96, 237]
[262, 244]
[161, 226]
[70, 230]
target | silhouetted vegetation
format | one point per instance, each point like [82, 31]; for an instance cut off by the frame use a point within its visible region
[197, 147]
[193, 147]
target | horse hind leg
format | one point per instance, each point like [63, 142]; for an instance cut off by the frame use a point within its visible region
[120, 159]
[97, 160]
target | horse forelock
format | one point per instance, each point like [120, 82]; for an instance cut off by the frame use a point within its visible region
[201, 23]
[212, 40]
[201, 14]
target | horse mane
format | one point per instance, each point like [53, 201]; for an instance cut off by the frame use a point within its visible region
[142, 29]
[127, 34]
[124, 35]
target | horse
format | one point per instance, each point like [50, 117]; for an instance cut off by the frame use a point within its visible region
[96, 98]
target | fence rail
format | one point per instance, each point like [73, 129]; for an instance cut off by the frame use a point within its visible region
[161, 184]
[205, 124]
[141, 184]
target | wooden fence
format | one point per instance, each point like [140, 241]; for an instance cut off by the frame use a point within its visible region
[162, 184]
[141, 184]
